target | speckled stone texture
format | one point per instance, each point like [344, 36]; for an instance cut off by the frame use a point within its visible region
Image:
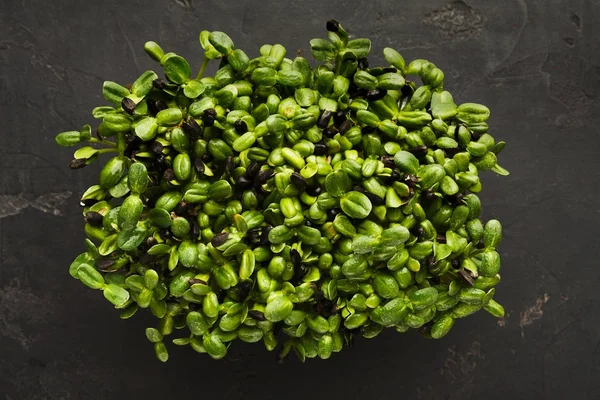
[535, 63]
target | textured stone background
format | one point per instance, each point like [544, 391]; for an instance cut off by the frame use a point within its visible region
[535, 63]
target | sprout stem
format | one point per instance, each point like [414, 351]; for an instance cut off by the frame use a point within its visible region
[109, 150]
[202, 68]
[102, 141]
[338, 63]
[121, 143]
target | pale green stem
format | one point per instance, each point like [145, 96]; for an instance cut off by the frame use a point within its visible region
[338, 63]
[202, 68]
[111, 150]
[102, 141]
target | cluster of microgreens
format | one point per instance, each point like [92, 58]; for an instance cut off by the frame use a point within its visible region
[295, 206]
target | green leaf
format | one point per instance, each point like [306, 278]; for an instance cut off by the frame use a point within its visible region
[135, 283]
[69, 138]
[193, 88]
[495, 309]
[446, 143]
[280, 234]
[430, 175]
[420, 98]
[177, 69]
[442, 251]
[112, 172]
[181, 341]
[442, 326]
[221, 41]
[120, 189]
[249, 334]
[173, 258]
[337, 183]
[94, 192]
[130, 212]
[365, 80]
[278, 308]
[197, 323]
[129, 311]
[385, 285]
[138, 178]
[476, 149]
[130, 240]
[356, 205]
[226, 95]
[160, 218]
[209, 50]
[391, 313]
[168, 201]
[264, 76]
[354, 267]
[146, 128]
[144, 298]
[364, 244]
[141, 108]
[214, 346]
[169, 117]
[101, 112]
[153, 335]
[406, 162]
[490, 263]
[108, 245]
[92, 250]
[395, 59]
[390, 81]
[360, 47]
[85, 152]
[159, 249]
[116, 294]
[456, 242]
[153, 50]
[226, 276]
[143, 84]
[238, 60]
[220, 190]
[305, 97]
[500, 171]
[114, 92]
[394, 235]
[151, 279]
[86, 132]
[90, 276]
[492, 234]
[117, 122]
[158, 307]
[83, 258]
[290, 78]
[486, 162]
[161, 352]
[188, 253]
[322, 50]
[355, 320]
[442, 105]
[247, 264]
[392, 199]
[498, 147]
[472, 113]
[343, 225]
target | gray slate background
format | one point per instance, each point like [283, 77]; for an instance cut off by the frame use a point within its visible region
[535, 63]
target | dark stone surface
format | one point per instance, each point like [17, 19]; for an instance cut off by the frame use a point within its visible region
[535, 63]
